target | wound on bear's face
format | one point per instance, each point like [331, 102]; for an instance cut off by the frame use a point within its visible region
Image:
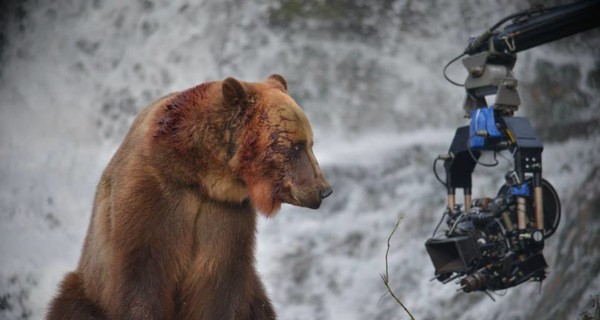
[288, 171]
[239, 140]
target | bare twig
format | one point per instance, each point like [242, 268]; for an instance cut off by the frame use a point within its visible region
[386, 277]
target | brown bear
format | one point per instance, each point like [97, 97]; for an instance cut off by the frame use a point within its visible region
[172, 231]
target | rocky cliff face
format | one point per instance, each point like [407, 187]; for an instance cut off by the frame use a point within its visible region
[73, 74]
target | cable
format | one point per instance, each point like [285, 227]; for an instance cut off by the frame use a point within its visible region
[480, 40]
[446, 67]
[438, 225]
[476, 42]
[504, 233]
[509, 17]
[445, 184]
[455, 223]
[535, 9]
[489, 165]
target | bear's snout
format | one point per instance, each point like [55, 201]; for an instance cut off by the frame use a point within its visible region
[310, 198]
[316, 199]
[326, 192]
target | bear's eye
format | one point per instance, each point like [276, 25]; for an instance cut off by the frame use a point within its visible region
[297, 149]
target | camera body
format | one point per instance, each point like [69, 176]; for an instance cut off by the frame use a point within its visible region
[497, 243]
[484, 245]
[494, 243]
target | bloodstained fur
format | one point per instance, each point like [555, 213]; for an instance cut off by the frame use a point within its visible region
[173, 227]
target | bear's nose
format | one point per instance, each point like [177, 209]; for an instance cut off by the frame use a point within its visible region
[326, 193]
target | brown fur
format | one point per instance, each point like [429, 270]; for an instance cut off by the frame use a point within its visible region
[173, 227]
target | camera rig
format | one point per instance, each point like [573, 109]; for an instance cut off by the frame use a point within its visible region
[497, 243]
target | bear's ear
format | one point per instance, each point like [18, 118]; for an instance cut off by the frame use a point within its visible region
[279, 80]
[233, 92]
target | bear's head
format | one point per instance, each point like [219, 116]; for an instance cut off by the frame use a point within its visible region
[273, 153]
[240, 140]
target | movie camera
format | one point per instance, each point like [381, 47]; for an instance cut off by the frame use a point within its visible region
[497, 243]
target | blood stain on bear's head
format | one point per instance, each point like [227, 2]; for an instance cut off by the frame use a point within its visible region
[277, 161]
[244, 140]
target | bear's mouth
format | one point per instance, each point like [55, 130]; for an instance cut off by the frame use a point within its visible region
[311, 199]
[314, 204]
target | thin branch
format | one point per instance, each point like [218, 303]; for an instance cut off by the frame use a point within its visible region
[386, 277]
